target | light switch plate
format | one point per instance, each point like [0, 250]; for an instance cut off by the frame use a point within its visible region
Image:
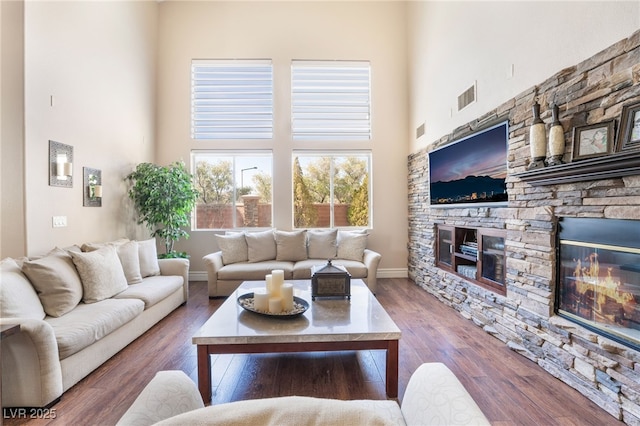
[59, 221]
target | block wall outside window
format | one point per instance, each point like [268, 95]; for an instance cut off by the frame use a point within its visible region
[235, 189]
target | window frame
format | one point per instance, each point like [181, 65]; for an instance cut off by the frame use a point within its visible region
[333, 154]
[307, 105]
[250, 109]
[234, 154]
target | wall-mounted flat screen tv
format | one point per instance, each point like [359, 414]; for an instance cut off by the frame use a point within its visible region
[471, 170]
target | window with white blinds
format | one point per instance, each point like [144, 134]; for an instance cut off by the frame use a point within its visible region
[231, 99]
[331, 100]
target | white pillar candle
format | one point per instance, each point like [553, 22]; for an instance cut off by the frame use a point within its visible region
[97, 191]
[287, 297]
[268, 280]
[275, 305]
[277, 281]
[261, 300]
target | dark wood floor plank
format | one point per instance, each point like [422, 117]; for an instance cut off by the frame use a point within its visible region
[510, 389]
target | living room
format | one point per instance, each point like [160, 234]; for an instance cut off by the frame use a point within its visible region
[112, 79]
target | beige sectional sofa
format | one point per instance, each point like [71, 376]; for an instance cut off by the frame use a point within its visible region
[434, 396]
[247, 256]
[77, 308]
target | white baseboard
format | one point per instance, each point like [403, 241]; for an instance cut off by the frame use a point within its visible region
[393, 273]
[198, 276]
[382, 273]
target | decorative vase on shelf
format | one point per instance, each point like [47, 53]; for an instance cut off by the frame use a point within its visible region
[537, 140]
[556, 139]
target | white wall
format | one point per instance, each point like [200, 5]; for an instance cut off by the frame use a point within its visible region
[98, 60]
[12, 220]
[283, 31]
[453, 44]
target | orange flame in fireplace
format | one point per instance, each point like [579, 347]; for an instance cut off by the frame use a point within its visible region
[603, 295]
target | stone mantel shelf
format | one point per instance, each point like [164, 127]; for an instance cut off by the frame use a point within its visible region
[610, 166]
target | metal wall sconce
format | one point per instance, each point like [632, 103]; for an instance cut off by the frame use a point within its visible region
[60, 164]
[92, 187]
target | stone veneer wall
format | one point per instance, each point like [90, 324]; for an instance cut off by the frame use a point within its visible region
[595, 90]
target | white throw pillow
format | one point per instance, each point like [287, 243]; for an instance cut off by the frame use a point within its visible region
[323, 244]
[233, 246]
[261, 246]
[95, 246]
[351, 245]
[148, 253]
[128, 255]
[291, 246]
[18, 298]
[56, 281]
[101, 273]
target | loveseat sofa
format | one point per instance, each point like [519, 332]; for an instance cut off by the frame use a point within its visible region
[434, 396]
[76, 308]
[249, 256]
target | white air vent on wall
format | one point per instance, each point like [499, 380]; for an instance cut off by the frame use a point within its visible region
[467, 97]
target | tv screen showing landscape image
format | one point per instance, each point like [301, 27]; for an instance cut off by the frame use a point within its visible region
[471, 170]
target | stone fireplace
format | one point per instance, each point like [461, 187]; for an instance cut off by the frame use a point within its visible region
[599, 276]
[601, 359]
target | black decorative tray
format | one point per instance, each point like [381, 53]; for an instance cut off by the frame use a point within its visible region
[300, 306]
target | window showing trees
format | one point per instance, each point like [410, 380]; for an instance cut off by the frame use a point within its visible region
[234, 189]
[331, 190]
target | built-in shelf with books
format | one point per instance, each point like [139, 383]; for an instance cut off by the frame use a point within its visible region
[477, 254]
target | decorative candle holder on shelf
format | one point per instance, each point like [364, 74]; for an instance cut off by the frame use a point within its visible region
[92, 184]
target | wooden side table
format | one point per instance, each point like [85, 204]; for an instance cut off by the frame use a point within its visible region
[6, 330]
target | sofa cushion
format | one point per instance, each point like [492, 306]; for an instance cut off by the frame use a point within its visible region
[291, 245]
[233, 246]
[101, 273]
[56, 281]
[351, 245]
[302, 269]
[246, 271]
[87, 324]
[148, 254]
[322, 244]
[127, 253]
[152, 289]
[261, 246]
[95, 246]
[293, 410]
[18, 298]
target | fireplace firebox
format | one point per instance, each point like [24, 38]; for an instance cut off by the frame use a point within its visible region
[598, 276]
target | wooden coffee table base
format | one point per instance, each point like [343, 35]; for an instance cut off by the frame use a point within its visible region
[204, 358]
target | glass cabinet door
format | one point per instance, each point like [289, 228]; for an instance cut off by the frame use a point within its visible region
[444, 246]
[493, 268]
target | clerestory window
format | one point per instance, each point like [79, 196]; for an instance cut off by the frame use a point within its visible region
[331, 100]
[231, 99]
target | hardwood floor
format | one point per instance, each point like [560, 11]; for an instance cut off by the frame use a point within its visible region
[510, 389]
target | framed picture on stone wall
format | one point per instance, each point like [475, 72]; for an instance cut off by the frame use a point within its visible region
[593, 140]
[629, 137]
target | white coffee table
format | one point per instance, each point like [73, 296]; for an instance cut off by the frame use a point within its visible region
[330, 324]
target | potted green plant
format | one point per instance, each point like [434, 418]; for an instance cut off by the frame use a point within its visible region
[163, 196]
